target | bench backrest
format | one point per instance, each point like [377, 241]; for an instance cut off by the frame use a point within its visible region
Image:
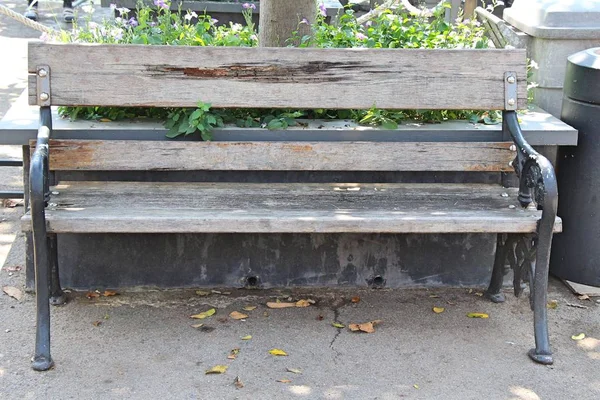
[171, 76]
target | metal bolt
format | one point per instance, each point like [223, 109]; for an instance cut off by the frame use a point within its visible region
[44, 96]
[510, 79]
[42, 72]
[513, 147]
[511, 102]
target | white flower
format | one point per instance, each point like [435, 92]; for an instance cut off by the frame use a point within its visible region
[189, 16]
[88, 8]
[123, 10]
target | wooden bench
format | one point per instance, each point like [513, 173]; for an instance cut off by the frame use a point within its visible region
[167, 76]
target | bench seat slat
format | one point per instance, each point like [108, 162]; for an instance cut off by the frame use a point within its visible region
[100, 155]
[146, 207]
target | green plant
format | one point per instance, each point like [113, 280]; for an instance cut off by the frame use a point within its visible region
[187, 121]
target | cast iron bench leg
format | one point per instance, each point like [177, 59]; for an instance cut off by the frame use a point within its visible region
[38, 184]
[57, 296]
[494, 291]
[537, 184]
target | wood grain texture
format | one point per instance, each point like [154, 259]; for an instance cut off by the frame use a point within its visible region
[115, 155]
[145, 207]
[174, 76]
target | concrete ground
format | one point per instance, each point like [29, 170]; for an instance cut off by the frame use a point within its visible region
[140, 345]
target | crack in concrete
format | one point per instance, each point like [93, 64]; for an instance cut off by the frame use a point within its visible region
[336, 315]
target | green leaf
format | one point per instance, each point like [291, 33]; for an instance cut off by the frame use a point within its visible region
[389, 124]
[173, 133]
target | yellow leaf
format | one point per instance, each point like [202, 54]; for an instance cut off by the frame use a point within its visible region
[233, 353]
[217, 369]
[277, 352]
[416, 386]
[293, 370]
[202, 293]
[105, 120]
[238, 315]
[284, 380]
[204, 314]
[553, 304]
[477, 315]
[581, 336]
[272, 304]
[338, 325]
[197, 326]
[438, 310]
[249, 308]
[303, 303]
[247, 337]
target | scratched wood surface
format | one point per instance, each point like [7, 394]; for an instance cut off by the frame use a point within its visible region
[115, 155]
[169, 76]
[147, 207]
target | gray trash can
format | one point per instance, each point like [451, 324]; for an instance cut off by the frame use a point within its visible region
[576, 251]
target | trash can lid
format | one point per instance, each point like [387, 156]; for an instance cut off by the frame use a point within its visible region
[582, 78]
[556, 19]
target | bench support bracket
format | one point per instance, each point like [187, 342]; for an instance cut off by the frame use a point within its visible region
[43, 246]
[528, 255]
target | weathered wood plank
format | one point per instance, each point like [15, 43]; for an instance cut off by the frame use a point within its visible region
[239, 207]
[99, 155]
[174, 76]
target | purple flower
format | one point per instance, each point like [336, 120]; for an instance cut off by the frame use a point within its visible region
[304, 21]
[45, 37]
[133, 22]
[214, 21]
[246, 6]
[113, 7]
[323, 9]
[360, 36]
[161, 4]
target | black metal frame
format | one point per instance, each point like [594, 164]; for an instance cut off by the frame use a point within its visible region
[47, 284]
[529, 255]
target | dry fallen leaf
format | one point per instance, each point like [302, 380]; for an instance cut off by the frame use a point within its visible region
[368, 327]
[416, 386]
[105, 120]
[553, 304]
[480, 294]
[581, 336]
[356, 299]
[584, 297]
[277, 352]
[197, 326]
[202, 293]
[216, 292]
[204, 314]
[272, 304]
[14, 268]
[304, 303]
[293, 370]
[438, 310]
[97, 323]
[13, 292]
[477, 315]
[238, 315]
[108, 293]
[249, 308]
[247, 337]
[217, 369]
[265, 314]
[284, 380]
[233, 353]
[92, 295]
[238, 382]
[338, 325]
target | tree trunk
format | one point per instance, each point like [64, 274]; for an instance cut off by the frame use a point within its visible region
[279, 19]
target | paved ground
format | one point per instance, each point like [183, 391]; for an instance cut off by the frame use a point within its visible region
[140, 345]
